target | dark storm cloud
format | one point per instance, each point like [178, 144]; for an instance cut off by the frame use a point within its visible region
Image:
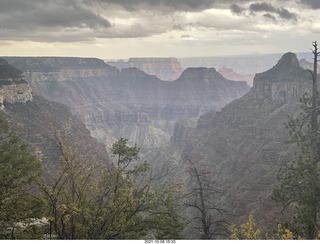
[48, 14]
[315, 4]
[259, 7]
[236, 9]
[267, 7]
[88, 20]
[270, 16]
[14, 6]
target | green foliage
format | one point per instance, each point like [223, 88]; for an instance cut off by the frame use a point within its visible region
[247, 231]
[66, 194]
[19, 170]
[88, 200]
[167, 221]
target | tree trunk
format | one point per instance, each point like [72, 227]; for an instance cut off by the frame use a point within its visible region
[314, 157]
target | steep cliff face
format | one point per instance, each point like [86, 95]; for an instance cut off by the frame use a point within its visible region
[13, 86]
[31, 116]
[129, 103]
[244, 142]
[167, 69]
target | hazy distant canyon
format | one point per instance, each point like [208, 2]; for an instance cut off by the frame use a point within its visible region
[128, 103]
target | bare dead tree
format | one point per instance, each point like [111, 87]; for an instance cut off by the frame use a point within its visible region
[202, 197]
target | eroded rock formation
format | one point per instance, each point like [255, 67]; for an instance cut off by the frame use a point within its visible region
[167, 69]
[13, 86]
[31, 117]
[128, 103]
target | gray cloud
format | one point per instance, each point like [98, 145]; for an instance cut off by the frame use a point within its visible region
[236, 9]
[174, 5]
[48, 14]
[270, 16]
[49, 21]
[315, 4]
[267, 7]
[89, 20]
[15, 6]
[259, 7]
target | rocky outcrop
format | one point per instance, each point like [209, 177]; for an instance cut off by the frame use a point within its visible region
[13, 86]
[31, 117]
[244, 142]
[167, 69]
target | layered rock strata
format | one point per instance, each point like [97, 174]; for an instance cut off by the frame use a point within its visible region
[128, 103]
[31, 116]
[13, 86]
[167, 69]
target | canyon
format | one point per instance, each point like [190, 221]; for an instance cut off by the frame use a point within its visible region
[127, 103]
[243, 144]
[233, 132]
[31, 116]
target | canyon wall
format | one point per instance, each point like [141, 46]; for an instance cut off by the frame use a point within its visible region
[128, 103]
[13, 86]
[31, 116]
[244, 143]
[167, 69]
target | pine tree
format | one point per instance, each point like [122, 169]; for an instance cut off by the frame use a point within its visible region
[19, 170]
[299, 187]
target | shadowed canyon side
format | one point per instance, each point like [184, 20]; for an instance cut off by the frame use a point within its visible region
[127, 103]
[244, 142]
[31, 116]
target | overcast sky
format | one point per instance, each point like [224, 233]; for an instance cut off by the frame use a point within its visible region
[112, 29]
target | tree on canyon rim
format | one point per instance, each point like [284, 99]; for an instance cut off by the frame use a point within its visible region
[299, 188]
[91, 200]
[19, 171]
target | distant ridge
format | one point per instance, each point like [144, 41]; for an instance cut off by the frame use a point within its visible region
[128, 103]
[167, 69]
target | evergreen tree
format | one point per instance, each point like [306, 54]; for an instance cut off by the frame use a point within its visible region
[299, 187]
[19, 170]
[88, 200]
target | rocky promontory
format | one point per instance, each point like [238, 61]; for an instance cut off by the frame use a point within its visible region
[31, 116]
[13, 86]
